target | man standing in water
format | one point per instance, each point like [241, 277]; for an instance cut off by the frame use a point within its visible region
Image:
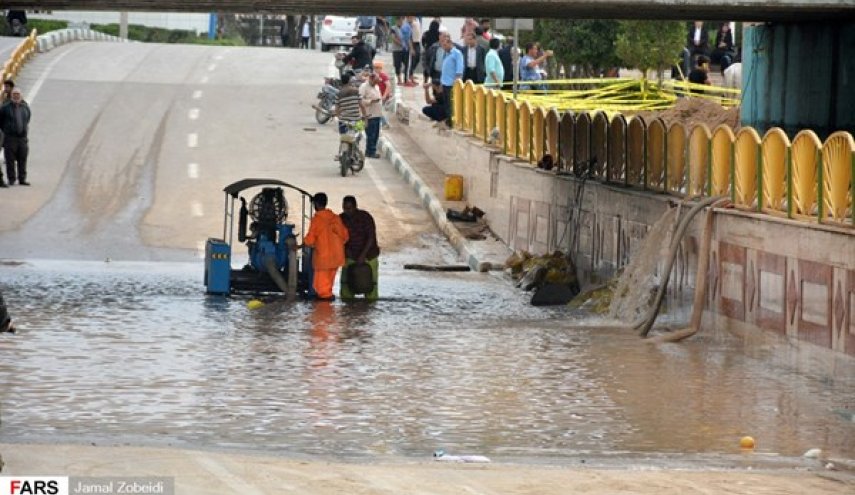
[361, 247]
[327, 234]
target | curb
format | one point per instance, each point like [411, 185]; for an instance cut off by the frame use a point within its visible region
[433, 205]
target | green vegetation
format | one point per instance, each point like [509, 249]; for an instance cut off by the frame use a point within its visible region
[650, 45]
[45, 25]
[586, 45]
[137, 32]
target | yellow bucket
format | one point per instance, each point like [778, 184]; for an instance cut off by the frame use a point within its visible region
[454, 187]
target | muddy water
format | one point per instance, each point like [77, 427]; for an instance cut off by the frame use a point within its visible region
[135, 353]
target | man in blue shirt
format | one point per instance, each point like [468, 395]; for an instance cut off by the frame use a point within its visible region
[530, 66]
[452, 70]
[406, 37]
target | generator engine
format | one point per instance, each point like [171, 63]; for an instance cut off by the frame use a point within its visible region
[268, 231]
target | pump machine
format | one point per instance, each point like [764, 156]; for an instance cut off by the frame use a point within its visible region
[274, 264]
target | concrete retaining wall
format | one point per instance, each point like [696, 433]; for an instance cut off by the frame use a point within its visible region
[793, 278]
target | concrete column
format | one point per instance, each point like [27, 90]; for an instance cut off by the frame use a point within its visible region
[123, 25]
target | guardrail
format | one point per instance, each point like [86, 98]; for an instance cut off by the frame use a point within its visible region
[19, 55]
[804, 179]
[46, 42]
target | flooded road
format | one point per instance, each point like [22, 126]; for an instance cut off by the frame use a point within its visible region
[135, 353]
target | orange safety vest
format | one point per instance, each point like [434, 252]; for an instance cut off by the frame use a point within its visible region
[327, 234]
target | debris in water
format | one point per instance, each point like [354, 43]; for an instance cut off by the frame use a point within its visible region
[254, 304]
[746, 442]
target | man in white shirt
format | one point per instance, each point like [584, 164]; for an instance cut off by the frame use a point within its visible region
[372, 108]
[415, 47]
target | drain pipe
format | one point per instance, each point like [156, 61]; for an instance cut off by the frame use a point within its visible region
[644, 325]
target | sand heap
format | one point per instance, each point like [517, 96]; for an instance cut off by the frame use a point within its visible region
[693, 111]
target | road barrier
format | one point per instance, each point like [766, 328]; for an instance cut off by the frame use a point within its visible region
[804, 179]
[20, 54]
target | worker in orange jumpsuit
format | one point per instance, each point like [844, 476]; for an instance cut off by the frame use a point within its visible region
[327, 234]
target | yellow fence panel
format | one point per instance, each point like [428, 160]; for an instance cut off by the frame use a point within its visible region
[457, 105]
[699, 160]
[776, 155]
[490, 113]
[636, 136]
[511, 127]
[600, 143]
[469, 107]
[524, 132]
[722, 160]
[746, 167]
[480, 125]
[616, 164]
[805, 162]
[538, 134]
[566, 140]
[838, 172]
[553, 121]
[500, 103]
[583, 143]
[656, 139]
[675, 165]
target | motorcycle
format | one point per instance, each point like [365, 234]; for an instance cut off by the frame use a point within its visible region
[350, 154]
[326, 100]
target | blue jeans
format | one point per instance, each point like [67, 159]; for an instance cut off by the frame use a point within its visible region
[372, 135]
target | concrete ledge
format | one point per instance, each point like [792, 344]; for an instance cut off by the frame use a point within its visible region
[53, 39]
[434, 207]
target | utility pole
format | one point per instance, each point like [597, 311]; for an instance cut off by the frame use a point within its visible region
[123, 25]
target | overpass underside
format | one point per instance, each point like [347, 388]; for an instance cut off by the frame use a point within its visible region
[730, 10]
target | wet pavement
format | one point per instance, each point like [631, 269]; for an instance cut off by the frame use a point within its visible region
[135, 353]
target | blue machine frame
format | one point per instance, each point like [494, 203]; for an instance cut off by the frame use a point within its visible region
[221, 279]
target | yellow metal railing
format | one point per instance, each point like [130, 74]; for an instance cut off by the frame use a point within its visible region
[20, 54]
[805, 178]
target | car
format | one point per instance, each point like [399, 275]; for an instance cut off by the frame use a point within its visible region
[337, 31]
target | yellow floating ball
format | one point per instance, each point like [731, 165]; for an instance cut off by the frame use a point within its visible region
[254, 304]
[746, 442]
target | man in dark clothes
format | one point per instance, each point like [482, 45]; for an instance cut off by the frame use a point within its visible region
[507, 62]
[14, 120]
[700, 74]
[360, 56]
[361, 247]
[5, 319]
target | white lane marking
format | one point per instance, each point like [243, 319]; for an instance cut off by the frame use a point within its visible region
[41, 80]
[387, 197]
[193, 170]
[193, 114]
[212, 67]
[204, 80]
[197, 94]
[200, 249]
[192, 140]
[196, 209]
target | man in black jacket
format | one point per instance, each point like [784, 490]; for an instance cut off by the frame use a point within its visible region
[506, 56]
[361, 55]
[14, 121]
[473, 60]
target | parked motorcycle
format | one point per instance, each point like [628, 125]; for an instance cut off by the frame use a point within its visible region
[326, 100]
[350, 155]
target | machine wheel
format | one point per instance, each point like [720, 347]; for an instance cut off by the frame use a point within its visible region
[321, 116]
[325, 47]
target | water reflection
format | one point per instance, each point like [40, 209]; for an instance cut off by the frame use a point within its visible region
[136, 353]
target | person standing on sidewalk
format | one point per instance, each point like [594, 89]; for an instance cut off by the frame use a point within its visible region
[399, 50]
[372, 108]
[327, 234]
[305, 35]
[361, 247]
[495, 72]
[14, 122]
[415, 47]
[452, 70]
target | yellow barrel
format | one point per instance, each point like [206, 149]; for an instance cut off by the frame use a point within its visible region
[454, 187]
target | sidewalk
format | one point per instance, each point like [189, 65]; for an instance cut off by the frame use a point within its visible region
[428, 180]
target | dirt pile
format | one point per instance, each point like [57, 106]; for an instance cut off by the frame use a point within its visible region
[693, 111]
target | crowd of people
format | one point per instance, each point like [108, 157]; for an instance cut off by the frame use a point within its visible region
[14, 123]
[698, 54]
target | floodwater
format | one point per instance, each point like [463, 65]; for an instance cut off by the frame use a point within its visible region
[116, 353]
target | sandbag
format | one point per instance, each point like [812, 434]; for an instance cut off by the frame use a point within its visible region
[360, 280]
